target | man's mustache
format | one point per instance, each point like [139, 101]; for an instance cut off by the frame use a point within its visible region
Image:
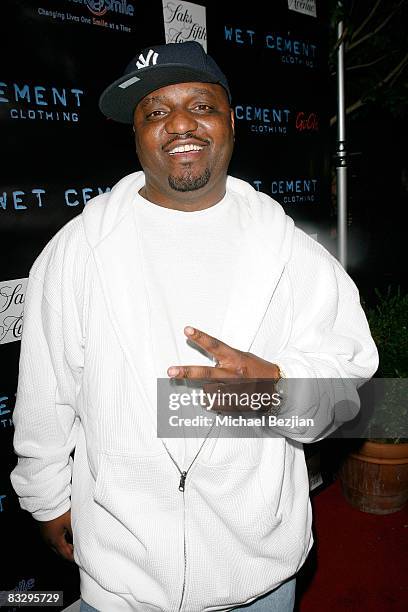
[186, 136]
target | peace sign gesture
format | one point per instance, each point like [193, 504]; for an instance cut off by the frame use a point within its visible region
[230, 363]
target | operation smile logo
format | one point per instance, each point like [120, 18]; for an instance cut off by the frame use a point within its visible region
[96, 7]
[102, 7]
[39, 102]
[95, 13]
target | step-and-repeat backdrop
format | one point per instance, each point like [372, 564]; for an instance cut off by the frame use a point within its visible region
[58, 151]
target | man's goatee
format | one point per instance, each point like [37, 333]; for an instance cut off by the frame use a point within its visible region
[188, 182]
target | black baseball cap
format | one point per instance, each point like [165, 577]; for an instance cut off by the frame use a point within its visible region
[156, 67]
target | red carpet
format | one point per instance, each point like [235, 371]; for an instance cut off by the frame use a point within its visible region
[359, 561]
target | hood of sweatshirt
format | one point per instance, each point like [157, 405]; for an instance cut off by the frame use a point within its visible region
[267, 248]
[110, 230]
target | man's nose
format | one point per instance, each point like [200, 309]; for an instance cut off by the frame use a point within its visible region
[180, 122]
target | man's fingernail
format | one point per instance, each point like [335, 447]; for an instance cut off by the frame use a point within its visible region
[173, 371]
[189, 330]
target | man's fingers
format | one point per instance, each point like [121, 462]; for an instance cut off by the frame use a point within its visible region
[62, 548]
[69, 535]
[231, 363]
[211, 345]
[200, 372]
[58, 535]
[67, 551]
[65, 548]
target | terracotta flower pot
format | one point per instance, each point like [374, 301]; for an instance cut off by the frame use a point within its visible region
[375, 479]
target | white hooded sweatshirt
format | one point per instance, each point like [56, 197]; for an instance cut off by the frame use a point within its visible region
[242, 525]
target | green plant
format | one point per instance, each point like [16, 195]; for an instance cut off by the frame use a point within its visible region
[388, 321]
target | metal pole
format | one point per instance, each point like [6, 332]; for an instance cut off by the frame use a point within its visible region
[341, 158]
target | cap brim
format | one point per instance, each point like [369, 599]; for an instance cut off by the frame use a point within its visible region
[120, 99]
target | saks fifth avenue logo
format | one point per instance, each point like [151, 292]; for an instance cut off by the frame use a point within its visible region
[288, 49]
[307, 7]
[291, 190]
[43, 103]
[101, 7]
[184, 21]
[12, 294]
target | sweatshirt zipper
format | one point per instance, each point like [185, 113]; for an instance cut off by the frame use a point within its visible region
[182, 481]
[184, 542]
[181, 488]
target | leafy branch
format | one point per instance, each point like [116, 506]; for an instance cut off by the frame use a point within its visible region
[391, 77]
[379, 55]
[378, 29]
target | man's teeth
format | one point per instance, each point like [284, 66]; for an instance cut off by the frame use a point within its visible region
[185, 149]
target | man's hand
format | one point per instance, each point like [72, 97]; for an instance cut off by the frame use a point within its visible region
[251, 373]
[54, 533]
[230, 363]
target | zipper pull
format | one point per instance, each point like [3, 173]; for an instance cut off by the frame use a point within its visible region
[182, 481]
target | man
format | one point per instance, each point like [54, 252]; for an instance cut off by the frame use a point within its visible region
[181, 524]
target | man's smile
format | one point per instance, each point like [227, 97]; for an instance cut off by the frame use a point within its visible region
[187, 148]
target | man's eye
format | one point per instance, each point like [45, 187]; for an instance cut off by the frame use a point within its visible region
[155, 113]
[204, 107]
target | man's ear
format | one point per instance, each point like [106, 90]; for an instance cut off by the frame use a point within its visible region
[232, 117]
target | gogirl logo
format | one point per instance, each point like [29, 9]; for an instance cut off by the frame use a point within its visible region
[101, 7]
[307, 122]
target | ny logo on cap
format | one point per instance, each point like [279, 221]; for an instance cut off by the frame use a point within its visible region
[144, 62]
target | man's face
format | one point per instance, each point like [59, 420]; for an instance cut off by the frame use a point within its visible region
[184, 137]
